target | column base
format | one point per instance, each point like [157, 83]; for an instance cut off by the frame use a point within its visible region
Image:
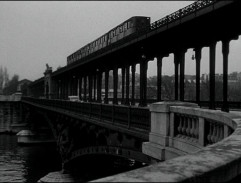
[154, 150]
[60, 177]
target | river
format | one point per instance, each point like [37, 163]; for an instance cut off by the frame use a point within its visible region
[26, 163]
[30, 163]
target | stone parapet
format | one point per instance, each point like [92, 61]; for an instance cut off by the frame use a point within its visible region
[215, 162]
[159, 137]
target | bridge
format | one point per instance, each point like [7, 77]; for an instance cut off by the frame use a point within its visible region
[177, 132]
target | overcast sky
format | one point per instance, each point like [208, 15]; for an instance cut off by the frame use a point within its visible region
[35, 33]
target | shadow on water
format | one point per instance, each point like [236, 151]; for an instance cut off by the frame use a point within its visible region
[26, 163]
[91, 167]
[32, 162]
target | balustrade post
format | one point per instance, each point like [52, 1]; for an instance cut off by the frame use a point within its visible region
[172, 118]
[201, 124]
[225, 131]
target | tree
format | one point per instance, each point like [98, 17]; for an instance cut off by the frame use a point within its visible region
[167, 88]
[11, 86]
[3, 78]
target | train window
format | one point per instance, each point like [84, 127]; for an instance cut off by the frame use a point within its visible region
[121, 29]
[129, 25]
[125, 26]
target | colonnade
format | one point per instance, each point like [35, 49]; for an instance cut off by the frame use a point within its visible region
[78, 84]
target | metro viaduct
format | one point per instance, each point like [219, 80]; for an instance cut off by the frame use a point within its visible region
[192, 27]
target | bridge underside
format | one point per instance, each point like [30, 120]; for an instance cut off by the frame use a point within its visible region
[78, 137]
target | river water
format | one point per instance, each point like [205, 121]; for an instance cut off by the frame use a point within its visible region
[30, 163]
[26, 163]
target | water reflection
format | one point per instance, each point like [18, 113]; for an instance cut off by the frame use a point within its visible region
[26, 163]
[30, 163]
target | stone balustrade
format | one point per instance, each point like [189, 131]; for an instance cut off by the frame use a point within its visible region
[198, 145]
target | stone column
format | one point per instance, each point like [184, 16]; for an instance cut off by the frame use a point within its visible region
[182, 74]
[106, 86]
[99, 85]
[159, 77]
[198, 52]
[127, 102]
[176, 64]
[65, 89]
[85, 88]
[90, 87]
[225, 51]
[133, 72]
[94, 98]
[76, 86]
[69, 86]
[80, 87]
[115, 84]
[212, 75]
[143, 81]
[123, 85]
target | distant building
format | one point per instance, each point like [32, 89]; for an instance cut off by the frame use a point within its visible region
[23, 86]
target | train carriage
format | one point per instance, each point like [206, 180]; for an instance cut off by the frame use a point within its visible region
[127, 28]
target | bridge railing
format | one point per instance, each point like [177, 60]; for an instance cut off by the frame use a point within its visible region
[196, 144]
[186, 127]
[128, 116]
[181, 13]
[199, 126]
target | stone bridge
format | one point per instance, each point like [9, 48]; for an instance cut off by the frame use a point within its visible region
[92, 128]
[178, 141]
[195, 144]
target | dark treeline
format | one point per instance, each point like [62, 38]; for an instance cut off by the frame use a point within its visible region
[7, 86]
[168, 90]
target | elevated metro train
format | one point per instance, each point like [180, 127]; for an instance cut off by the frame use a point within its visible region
[121, 31]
